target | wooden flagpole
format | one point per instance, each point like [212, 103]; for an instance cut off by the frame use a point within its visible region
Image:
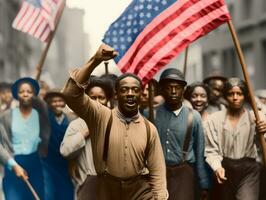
[151, 97]
[35, 195]
[247, 78]
[106, 67]
[185, 62]
[39, 67]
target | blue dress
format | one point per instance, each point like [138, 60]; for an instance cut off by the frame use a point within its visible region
[25, 140]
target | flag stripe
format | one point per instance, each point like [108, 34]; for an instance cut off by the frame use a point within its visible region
[176, 30]
[37, 17]
[173, 21]
[149, 34]
[163, 56]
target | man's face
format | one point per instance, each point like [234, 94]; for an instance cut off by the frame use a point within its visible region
[128, 96]
[235, 98]
[96, 93]
[57, 104]
[6, 96]
[216, 89]
[173, 93]
[25, 94]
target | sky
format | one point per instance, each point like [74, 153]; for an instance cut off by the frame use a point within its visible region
[99, 14]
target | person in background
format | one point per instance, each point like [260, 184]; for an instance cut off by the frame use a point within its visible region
[215, 82]
[231, 148]
[25, 134]
[76, 144]
[58, 184]
[44, 88]
[182, 138]
[127, 153]
[5, 96]
[198, 95]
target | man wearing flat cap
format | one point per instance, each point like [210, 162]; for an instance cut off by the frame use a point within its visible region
[182, 139]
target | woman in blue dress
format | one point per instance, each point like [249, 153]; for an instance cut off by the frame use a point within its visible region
[21, 143]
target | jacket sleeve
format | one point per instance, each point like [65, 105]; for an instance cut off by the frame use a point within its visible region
[156, 166]
[5, 155]
[73, 140]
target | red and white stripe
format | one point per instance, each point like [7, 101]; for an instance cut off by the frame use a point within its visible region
[37, 21]
[169, 33]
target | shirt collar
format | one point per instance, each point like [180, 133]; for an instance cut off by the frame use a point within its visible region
[127, 120]
[176, 112]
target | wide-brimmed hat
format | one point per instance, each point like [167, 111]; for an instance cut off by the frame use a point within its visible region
[29, 80]
[53, 93]
[214, 75]
[173, 74]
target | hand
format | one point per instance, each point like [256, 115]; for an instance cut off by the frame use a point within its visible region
[20, 172]
[204, 194]
[105, 53]
[220, 175]
[261, 127]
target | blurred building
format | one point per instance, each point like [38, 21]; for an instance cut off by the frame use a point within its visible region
[249, 19]
[20, 53]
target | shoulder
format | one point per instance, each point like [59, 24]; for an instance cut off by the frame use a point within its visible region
[77, 123]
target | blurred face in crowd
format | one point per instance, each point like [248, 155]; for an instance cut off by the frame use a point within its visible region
[199, 99]
[145, 96]
[97, 93]
[128, 96]
[6, 96]
[57, 104]
[216, 88]
[25, 94]
[172, 91]
[235, 98]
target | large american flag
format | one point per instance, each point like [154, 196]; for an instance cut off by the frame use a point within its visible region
[38, 17]
[150, 33]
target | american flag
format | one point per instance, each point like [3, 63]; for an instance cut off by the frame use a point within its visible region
[38, 17]
[150, 33]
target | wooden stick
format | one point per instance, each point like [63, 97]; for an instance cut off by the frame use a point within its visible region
[106, 67]
[185, 62]
[151, 97]
[39, 67]
[35, 195]
[247, 78]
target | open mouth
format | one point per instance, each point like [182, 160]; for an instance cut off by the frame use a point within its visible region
[130, 103]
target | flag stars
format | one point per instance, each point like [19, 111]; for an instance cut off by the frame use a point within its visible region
[129, 31]
[141, 22]
[129, 39]
[135, 30]
[149, 7]
[148, 15]
[122, 39]
[116, 25]
[114, 32]
[129, 23]
[164, 2]
[130, 17]
[114, 39]
[141, 15]
[141, 7]
[156, 8]
[123, 47]
[136, 8]
[121, 32]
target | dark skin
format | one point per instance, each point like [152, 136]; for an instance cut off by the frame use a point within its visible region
[128, 96]
[216, 87]
[172, 92]
[236, 99]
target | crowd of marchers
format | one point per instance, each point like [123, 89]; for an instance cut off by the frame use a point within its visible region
[104, 138]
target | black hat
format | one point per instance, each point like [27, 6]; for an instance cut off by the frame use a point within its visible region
[173, 74]
[29, 80]
[53, 93]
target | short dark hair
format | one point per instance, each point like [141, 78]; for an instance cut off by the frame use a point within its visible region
[231, 82]
[190, 88]
[117, 82]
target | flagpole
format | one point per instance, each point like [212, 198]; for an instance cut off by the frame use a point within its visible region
[35, 195]
[247, 78]
[151, 97]
[185, 62]
[106, 67]
[39, 67]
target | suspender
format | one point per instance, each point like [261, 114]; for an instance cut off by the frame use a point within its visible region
[106, 139]
[188, 134]
[107, 136]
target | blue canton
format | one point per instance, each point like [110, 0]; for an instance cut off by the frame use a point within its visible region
[35, 3]
[123, 32]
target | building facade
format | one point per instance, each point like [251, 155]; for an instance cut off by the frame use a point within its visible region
[219, 54]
